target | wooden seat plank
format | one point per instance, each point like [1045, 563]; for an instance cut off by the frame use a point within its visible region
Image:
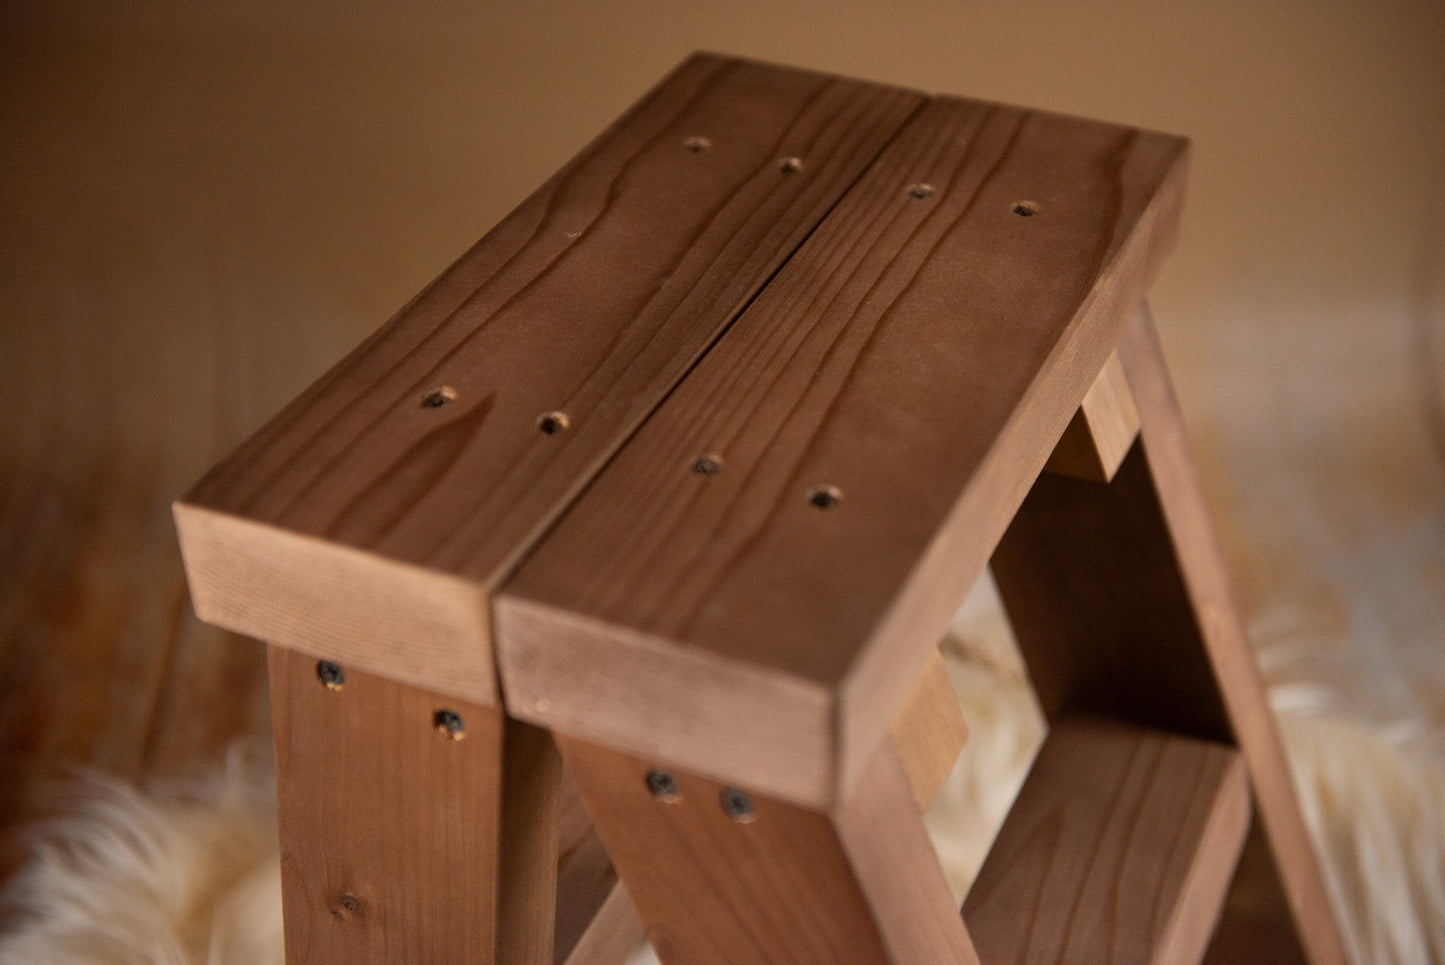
[874, 419]
[370, 519]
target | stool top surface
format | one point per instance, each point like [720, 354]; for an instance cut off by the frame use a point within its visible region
[802, 344]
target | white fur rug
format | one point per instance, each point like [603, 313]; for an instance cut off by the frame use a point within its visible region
[188, 873]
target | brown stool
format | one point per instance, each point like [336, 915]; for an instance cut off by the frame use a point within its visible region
[683, 470]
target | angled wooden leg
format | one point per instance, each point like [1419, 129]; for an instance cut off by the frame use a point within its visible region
[1121, 605]
[596, 920]
[722, 876]
[391, 808]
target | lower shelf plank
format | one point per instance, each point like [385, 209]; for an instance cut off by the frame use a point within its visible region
[1119, 850]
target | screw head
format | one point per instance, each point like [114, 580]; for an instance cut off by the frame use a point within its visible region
[663, 786]
[738, 805]
[825, 497]
[553, 422]
[438, 397]
[450, 725]
[330, 674]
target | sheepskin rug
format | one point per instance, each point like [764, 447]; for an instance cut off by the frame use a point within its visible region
[185, 874]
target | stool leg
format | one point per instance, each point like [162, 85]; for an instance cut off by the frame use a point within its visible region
[1120, 601]
[390, 814]
[721, 876]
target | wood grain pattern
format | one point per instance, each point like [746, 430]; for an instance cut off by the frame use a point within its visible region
[417, 470]
[898, 869]
[1201, 563]
[776, 891]
[528, 846]
[1101, 432]
[790, 886]
[389, 830]
[1118, 851]
[921, 354]
[1121, 606]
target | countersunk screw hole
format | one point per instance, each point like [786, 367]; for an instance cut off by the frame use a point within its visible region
[330, 674]
[825, 497]
[708, 465]
[697, 144]
[1026, 209]
[553, 422]
[438, 397]
[789, 165]
[921, 192]
[738, 805]
[663, 786]
[450, 725]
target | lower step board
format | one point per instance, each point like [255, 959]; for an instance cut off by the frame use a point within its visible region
[1118, 851]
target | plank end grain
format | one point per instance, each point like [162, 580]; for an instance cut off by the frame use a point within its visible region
[409, 624]
[572, 674]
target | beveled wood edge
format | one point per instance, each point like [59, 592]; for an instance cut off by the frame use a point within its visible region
[413, 625]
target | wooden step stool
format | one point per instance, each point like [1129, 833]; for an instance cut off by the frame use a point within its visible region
[682, 470]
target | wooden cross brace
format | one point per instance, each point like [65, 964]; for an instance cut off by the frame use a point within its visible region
[681, 472]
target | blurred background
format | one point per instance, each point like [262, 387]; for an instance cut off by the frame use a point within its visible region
[204, 205]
